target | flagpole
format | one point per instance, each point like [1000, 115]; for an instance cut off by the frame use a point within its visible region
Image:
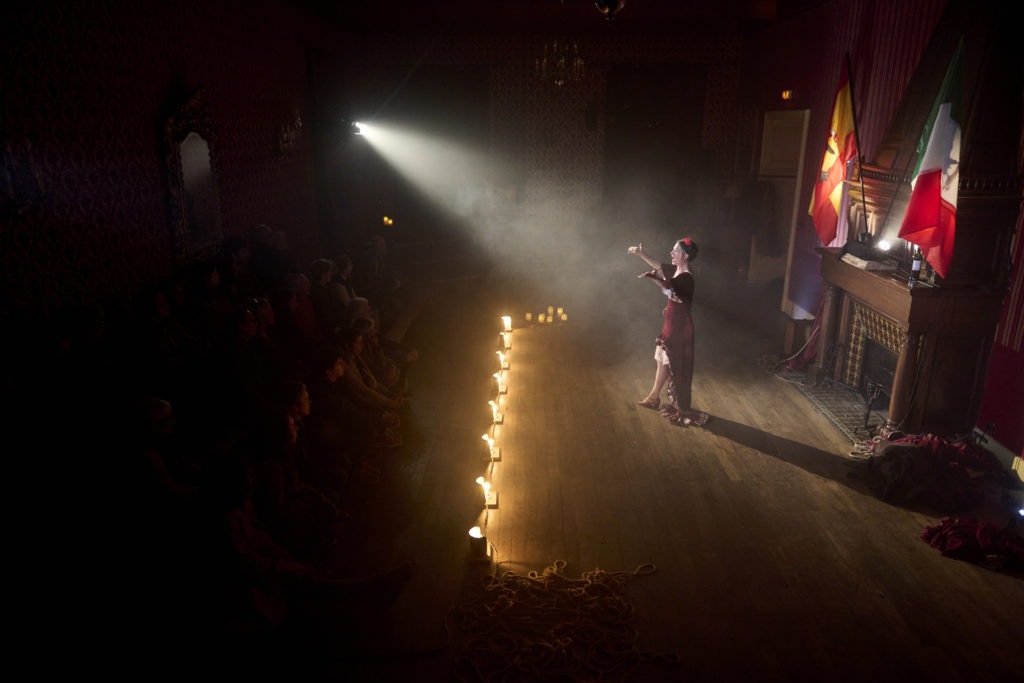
[856, 137]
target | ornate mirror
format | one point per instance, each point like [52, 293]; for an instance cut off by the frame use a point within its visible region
[192, 183]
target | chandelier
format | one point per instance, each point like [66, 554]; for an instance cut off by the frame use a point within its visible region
[559, 63]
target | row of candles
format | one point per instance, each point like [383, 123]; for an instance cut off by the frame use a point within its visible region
[479, 548]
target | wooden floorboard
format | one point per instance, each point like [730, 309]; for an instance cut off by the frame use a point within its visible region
[772, 562]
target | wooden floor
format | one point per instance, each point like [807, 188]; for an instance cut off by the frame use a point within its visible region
[772, 563]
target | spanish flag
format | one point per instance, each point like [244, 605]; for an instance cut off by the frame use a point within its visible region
[930, 221]
[840, 147]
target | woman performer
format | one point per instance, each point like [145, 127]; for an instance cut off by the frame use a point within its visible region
[674, 350]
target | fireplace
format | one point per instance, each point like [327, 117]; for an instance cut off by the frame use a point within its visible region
[872, 345]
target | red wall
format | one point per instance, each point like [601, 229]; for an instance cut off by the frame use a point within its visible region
[1003, 404]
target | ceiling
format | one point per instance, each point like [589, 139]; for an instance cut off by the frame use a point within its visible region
[512, 17]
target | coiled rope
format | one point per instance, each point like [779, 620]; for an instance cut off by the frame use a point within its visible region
[546, 627]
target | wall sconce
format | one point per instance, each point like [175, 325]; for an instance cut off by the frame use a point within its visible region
[496, 417]
[507, 339]
[506, 320]
[502, 388]
[479, 548]
[502, 360]
[494, 453]
[490, 496]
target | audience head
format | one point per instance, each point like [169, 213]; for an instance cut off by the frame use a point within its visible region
[364, 326]
[264, 313]
[343, 265]
[245, 324]
[329, 362]
[261, 235]
[159, 416]
[351, 340]
[297, 283]
[321, 271]
[358, 308]
[295, 399]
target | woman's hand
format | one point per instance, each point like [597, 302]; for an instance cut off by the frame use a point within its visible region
[638, 249]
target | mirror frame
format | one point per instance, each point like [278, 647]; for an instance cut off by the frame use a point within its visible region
[192, 116]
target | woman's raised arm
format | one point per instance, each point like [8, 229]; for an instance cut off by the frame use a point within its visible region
[639, 251]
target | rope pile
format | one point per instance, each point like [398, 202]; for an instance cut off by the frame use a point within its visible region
[547, 627]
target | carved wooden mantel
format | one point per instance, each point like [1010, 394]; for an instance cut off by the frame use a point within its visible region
[945, 338]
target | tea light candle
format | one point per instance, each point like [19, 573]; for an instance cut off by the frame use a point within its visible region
[496, 417]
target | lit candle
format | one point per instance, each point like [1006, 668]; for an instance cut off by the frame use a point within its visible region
[560, 310]
[478, 550]
[540, 317]
[565, 317]
[529, 316]
[551, 309]
[507, 320]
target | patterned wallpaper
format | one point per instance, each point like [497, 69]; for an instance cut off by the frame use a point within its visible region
[85, 88]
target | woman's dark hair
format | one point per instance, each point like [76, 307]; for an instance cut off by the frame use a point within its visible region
[347, 337]
[690, 247]
[325, 358]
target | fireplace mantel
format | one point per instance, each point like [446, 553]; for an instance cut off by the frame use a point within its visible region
[943, 336]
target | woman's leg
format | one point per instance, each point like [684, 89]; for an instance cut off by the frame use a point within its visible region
[660, 377]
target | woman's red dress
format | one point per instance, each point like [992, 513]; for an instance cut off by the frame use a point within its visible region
[676, 336]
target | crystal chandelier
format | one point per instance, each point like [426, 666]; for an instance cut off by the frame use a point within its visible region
[559, 63]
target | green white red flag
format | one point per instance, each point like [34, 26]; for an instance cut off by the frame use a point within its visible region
[840, 147]
[930, 221]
